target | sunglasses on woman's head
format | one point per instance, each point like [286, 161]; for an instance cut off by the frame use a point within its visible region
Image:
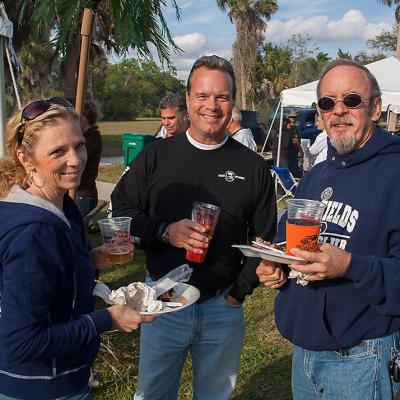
[351, 100]
[39, 107]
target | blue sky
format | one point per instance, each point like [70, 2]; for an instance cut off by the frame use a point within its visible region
[332, 24]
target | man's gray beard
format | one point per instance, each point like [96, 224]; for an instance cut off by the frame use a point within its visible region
[343, 144]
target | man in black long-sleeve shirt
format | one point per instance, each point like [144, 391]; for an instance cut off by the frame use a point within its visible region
[165, 179]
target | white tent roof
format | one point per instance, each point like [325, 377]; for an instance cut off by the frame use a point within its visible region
[386, 71]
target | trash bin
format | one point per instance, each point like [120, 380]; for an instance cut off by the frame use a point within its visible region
[133, 144]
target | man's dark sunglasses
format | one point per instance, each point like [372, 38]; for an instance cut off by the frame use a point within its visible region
[38, 107]
[351, 100]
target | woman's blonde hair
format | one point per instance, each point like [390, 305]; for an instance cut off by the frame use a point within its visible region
[23, 135]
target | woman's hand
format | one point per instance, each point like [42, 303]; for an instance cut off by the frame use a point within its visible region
[126, 319]
[271, 274]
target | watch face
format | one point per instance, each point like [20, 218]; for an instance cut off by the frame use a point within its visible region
[165, 236]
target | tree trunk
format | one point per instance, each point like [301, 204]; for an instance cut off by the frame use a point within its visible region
[71, 67]
[90, 86]
[397, 17]
[398, 42]
[243, 86]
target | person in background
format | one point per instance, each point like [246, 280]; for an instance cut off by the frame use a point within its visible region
[49, 331]
[207, 165]
[86, 194]
[345, 323]
[319, 148]
[174, 116]
[284, 150]
[294, 146]
[242, 135]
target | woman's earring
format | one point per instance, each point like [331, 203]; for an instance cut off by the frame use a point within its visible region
[42, 183]
[30, 177]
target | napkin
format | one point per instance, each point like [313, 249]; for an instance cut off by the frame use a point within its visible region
[302, 278]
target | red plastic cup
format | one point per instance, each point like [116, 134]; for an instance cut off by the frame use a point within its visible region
[194, 257]
[206, 215]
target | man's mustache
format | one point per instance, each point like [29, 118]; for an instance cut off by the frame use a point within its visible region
[341, 121]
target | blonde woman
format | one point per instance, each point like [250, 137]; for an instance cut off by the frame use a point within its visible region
[49, 331]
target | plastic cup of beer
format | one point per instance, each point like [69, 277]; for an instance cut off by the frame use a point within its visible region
[117, 239]
[303, 224]
[206, 215]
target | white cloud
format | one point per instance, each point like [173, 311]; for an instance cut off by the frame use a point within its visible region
[287, 10]
[194, 46]
[352, 26]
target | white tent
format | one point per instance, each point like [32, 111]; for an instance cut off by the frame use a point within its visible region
[386, 72]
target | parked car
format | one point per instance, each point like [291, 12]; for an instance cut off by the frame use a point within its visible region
[305, 123]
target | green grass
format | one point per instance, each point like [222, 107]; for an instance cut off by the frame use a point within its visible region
[141, 125]
[110, 172]
[265, 364]
[112, 145]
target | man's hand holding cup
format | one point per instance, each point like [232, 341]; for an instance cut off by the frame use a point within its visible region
[188, 235]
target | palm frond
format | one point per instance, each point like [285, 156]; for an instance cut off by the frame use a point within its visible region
[389, 3]
[69, 19]
[128, 23]
[139, 23]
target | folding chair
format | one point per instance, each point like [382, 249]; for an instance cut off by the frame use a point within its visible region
[286, 181]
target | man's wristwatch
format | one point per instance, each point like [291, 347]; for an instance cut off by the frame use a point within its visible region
[165, 236]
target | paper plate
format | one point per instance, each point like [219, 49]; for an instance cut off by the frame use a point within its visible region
[270, 255]
[190, 293]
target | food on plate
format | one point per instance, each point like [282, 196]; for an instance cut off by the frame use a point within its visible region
[167, 296]
[280, 247]
[143, 298]
[171, 296]
[138, 295]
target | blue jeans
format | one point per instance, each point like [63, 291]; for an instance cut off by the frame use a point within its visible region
[83, 394]
[85, 204]
[212, 332]
[357, 373]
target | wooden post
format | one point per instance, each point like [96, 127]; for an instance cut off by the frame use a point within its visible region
[86, 33]
[392, 121]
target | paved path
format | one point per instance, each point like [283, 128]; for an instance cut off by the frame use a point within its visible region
[104, 190]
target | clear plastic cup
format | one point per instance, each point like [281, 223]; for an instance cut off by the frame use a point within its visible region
[117, 239]
[303, 224]
[206, 215]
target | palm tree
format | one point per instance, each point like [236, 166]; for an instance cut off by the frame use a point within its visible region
[120, 25]
[389, 3]
[322, 59]
[249, 17]
[274, 67]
